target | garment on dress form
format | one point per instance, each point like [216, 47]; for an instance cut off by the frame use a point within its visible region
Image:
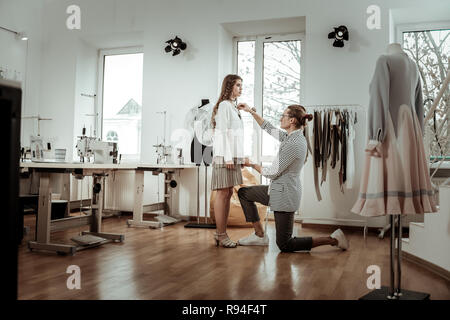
[200, 152]
[395, 178]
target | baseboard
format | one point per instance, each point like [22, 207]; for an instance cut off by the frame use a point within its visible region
[333, 227]
[427, 265]
[153, 215]
[328, 227]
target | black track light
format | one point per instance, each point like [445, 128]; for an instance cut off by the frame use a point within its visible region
[339, 35]
[176, 45]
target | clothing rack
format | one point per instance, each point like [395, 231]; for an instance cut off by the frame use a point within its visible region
[331, 106]
[348, 107]
[340, 107]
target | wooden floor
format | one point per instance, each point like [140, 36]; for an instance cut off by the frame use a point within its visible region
[179, 263]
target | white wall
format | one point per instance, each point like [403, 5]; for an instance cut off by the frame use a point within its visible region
[85, 83]
[430, 241]
[23, 16]
[176, 84]
[340, 76]
[58, 79]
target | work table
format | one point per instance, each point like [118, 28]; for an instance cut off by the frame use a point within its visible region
[98, 172]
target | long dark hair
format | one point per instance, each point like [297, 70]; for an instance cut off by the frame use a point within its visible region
[225, 94]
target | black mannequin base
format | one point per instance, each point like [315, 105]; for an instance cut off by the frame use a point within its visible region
[382, 294]
[200, 225]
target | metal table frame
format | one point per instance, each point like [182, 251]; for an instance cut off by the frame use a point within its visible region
[44, 223]
[139, 209]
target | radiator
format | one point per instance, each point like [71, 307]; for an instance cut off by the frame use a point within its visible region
[119, 191]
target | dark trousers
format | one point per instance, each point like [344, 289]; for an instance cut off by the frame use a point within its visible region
[284, 221]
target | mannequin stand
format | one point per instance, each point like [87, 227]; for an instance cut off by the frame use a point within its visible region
[392, 293]
[198, 224]
[383, 293]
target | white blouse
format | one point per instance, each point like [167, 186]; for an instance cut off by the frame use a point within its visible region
[229, 133]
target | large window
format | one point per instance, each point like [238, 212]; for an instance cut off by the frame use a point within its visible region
[270, 68]
[122, 100]
[281, 86]
[246, 69]
[430, 49]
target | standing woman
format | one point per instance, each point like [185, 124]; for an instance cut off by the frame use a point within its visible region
[228, 154]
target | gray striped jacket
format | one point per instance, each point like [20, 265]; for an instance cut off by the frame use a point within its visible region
[285, 189]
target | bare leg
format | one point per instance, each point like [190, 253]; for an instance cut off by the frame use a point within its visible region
[227, 207]
[259, 230]
[322, 241]
[221, 208]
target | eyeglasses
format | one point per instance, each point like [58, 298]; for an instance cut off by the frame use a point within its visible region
[285, 115]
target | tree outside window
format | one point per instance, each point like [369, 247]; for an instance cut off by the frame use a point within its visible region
[431, 51]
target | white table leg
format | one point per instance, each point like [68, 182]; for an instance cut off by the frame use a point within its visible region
[97, 212]
[65, 192]
[43, 222]
[44, 209]
[138, 200]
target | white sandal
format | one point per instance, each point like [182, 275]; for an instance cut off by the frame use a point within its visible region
[225, 242]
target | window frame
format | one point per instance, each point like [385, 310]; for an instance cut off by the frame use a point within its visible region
[419, 27]
[259, 77]
[101, 74]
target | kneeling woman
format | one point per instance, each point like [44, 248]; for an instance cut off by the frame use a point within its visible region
[285, 190]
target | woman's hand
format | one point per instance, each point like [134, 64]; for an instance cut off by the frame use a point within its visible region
[250, 164]
[247, 162]
[229, 164]
[244, 106]
[252, 111]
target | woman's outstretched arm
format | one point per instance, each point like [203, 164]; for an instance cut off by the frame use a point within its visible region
[278, 134]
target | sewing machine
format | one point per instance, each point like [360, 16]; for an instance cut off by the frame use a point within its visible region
[102, 151]
[84, 150]
[164, 154]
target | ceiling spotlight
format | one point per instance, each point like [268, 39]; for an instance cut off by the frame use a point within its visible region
[339, 35]
[176, 45]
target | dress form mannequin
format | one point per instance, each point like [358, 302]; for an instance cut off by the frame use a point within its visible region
[394, 48]
[199, 153]
[395, 180]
